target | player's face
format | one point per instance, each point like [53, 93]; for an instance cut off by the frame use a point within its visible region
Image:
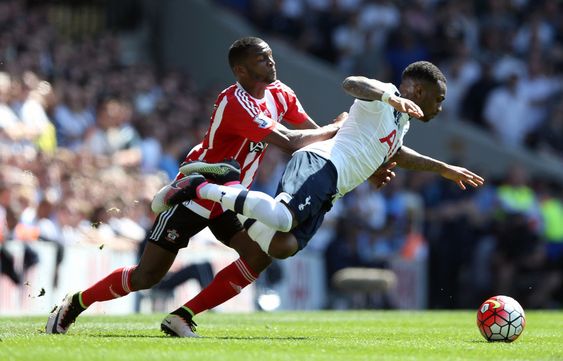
[260, 64]
[431, 99]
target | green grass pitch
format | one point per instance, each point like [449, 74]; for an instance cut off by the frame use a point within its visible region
[326, 335]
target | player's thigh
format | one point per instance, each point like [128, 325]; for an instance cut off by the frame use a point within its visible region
[173, 229]
[283, 245]
[228, 230]
[305, 230]
[311, 182]
[170, 232]
[153, 265]
[225, 226]
[250, 252]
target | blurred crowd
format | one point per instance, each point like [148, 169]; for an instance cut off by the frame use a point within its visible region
[87, 137]
[503, 58]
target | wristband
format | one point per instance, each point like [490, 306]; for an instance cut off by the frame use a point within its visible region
[385, 97]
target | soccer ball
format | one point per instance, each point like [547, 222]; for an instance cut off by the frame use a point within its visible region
[501, 318]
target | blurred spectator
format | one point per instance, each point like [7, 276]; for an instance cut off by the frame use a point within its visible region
[551, 207]
[476, 97]
[34, 114]
[72, 118]
[549, 138]
[506, 112]
[461, 71]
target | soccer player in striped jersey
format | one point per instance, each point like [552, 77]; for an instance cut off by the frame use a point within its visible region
[246, 118]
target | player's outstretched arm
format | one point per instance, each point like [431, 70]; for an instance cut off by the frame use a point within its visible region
[364, 88]
[291, 140]
[410, 159]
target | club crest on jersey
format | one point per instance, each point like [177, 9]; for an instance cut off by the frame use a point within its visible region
[172, 235]
[262, 120]
[256, 147]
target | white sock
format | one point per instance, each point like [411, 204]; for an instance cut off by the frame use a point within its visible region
[252, 204]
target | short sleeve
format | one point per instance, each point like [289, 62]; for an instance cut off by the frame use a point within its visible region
[295, 113]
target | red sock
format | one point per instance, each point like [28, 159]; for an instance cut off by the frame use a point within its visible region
[227, 284]
[116, 284]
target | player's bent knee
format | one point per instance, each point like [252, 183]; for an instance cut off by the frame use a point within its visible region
[285, 218]
[286, 214]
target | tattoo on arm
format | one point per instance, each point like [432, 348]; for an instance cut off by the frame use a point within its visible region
[410, 159]
[363, 88]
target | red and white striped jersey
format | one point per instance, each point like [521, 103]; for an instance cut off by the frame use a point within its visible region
[238, 125]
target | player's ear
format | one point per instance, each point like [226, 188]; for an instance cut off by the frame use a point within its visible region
[239, 70]
[418, 90]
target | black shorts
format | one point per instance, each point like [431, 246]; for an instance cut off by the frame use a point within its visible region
[311, 180]
[173, 228]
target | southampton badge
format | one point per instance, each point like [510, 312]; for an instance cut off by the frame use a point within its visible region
[172, 235]
[262, 120]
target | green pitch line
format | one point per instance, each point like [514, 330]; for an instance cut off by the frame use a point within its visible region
[346, 336]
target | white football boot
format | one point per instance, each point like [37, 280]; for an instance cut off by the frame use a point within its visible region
[176, 326]
[63, 315]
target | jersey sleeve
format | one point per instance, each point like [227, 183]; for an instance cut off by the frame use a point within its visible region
[247, 120]
[295, 113]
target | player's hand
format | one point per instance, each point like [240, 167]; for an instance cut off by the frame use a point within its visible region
[339, 120]
[383, 175]
[462, 176]
[405, 106]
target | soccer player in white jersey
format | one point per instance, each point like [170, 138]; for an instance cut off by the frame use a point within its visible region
[320, 173]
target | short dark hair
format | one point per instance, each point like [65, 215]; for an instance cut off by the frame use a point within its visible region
[424, 70]
[239, 49]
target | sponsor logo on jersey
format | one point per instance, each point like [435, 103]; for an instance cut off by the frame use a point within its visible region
[262, 120]
[256, 147]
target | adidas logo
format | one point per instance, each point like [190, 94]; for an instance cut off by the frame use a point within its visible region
[235, 287]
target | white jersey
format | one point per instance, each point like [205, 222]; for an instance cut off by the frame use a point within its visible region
[371, 135]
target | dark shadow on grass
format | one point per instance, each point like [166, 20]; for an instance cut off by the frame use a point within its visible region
[247, 338]
[122, 336]
[260, 338]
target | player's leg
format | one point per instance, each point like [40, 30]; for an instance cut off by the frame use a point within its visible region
[153, 265]
[306, 188]
[252, 204]
[305, 169]
[227, 283]
[171, 231]
[226, 172]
